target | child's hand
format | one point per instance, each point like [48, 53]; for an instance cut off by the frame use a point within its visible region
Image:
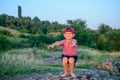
[57, 43]
[73, 45]
[51, 46]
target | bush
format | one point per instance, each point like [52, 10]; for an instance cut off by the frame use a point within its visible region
[4, 32]
[22, 36]
[5, 44]
[40, 40]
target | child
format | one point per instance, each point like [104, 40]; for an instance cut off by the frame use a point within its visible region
[69, 56]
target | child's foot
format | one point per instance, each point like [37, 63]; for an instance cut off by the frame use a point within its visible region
[64, 75]
[73, 75]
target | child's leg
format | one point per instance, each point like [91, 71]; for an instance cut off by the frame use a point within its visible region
[71, 65]
[65, 66]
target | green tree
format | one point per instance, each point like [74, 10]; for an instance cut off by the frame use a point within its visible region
[11, 21]
[102, 40]
[114, 39]
[19, 12]
[45, 26]
[36, 25]
[27, 24]
[77, 24]
[103, 28]
[36, 22]
[3, 20]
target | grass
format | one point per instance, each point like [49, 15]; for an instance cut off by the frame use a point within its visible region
[13, 31]
[28, 60]
[21, 61]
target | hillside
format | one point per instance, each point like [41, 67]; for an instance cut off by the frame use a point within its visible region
[12, 31]
[11, 39]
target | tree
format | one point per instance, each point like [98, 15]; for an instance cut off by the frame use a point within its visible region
[45, 26]
[19, 12]
[114, 39]
[36, 25]
[103, 28]
[102, 40]
[78, 23]
[3, 19]
[10, 21]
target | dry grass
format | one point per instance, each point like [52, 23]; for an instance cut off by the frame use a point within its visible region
[10, 30]
[13, 31]
[22, 57]
[20, 61]
[114, 55]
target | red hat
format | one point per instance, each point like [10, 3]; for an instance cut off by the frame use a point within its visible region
[69, 30]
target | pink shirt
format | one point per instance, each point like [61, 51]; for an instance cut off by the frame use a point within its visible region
[68, 49]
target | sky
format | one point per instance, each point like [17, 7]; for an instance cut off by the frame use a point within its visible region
[94, 12]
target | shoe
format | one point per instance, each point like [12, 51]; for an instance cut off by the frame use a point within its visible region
[63, 75]
[73, 75]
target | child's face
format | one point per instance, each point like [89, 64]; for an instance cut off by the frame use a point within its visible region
[69, 35]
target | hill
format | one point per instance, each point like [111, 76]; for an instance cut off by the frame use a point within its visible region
[12, 31]
[17, 39]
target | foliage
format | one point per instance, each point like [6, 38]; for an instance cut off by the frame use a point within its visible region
[39, 40]
[114, 39]
[103, 28]
[22, 36]
[5, 32]
[5, 44]
[104, 38]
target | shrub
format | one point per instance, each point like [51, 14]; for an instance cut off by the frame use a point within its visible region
[4, 32]
[22, 36]
[5, 44]
[40, 40]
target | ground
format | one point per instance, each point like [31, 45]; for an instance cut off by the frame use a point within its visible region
[82, 74]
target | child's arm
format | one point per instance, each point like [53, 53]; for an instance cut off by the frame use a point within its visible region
[57, 43]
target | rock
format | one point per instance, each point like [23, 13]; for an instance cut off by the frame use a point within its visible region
[113, 67]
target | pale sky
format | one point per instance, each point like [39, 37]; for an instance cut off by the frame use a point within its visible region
[94, 12]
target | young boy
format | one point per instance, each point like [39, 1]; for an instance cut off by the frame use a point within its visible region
[69, 56]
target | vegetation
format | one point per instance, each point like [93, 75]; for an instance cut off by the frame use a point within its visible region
[21, 61]
[5, 44]
[28, 60]
[36, 33]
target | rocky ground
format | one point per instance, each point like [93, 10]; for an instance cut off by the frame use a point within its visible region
[82, 74]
